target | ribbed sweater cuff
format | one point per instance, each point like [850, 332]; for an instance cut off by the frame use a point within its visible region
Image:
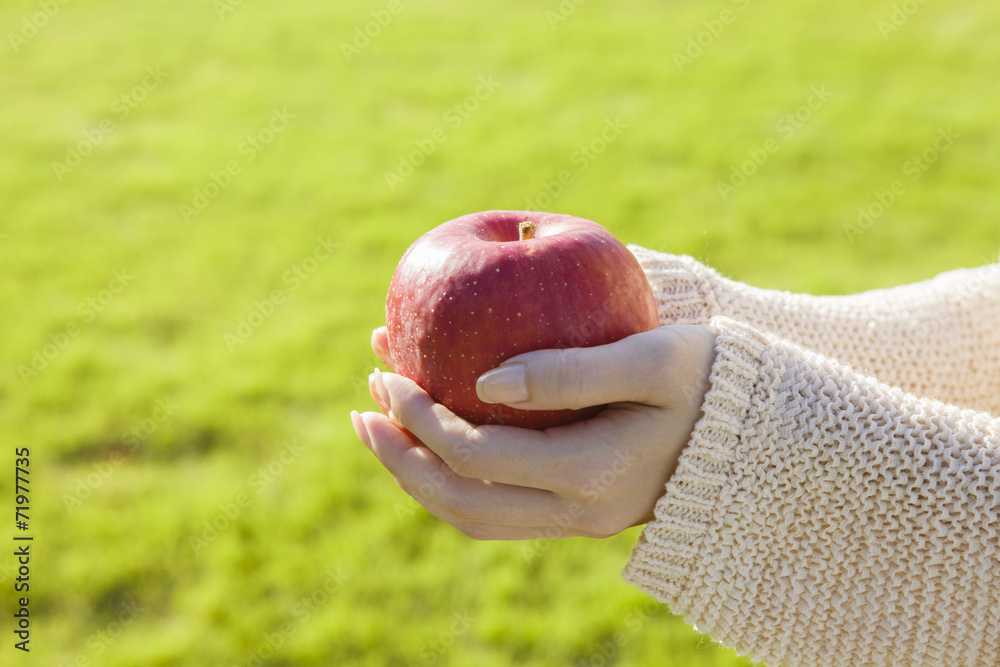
[668, 550]
[683, 286]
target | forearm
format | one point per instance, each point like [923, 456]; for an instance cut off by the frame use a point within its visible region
[820, 517]
[939, 338]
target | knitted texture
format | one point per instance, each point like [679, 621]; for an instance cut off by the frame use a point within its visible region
[828, 509]
[939, 338]
[821, 517]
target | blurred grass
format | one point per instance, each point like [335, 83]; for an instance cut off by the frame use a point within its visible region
[321, 560]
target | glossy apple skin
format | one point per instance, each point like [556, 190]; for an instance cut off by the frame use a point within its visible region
[469, 294]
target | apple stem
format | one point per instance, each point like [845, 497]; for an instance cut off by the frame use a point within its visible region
[526, 230]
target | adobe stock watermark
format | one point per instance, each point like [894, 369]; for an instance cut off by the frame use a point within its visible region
[900, 16]
[100, 641]
[364, 34]
[301, 271]
[914, 169]
[593, 489]
[88, 309]
[784, 129]
[34, 23]
[606, 652]
[262, 310]
[231, 510]
[294, 276]
[359, 378]
[582, 158]
[433, 482]
[914, 342]
[453, 119]
[248, 150]
[303, 610]
[431, 651]
[562, 13]
[597, 486]
[698, 43]
[223, 8]
[139, 433]
[122, 107]
[564, 521]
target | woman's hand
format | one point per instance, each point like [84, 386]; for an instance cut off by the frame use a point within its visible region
[592, 478]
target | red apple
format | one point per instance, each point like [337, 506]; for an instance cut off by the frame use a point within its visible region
[478, 290]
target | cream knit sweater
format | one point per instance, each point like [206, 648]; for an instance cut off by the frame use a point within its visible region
[839, 500]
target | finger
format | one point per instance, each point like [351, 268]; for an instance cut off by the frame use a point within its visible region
[504, 454]
[453, 497]
[360, 430]
[373, 390]
[380, 346]
[572, 378]
[635, 369]
[478, 530]
[488, 531]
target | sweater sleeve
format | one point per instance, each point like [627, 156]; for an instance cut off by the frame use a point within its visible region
[820, 517]
[938, 338]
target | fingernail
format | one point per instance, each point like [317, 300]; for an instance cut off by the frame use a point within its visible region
[380, 388]
[360, 428]
[506, 384]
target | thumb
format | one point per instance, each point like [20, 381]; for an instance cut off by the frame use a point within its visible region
[631, 369]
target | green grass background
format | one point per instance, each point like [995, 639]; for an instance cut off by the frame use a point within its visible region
[383, 581]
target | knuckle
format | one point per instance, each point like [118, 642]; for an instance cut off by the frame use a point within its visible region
[462, 453]
[659, 351]
[464, 465]
[571, 379]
